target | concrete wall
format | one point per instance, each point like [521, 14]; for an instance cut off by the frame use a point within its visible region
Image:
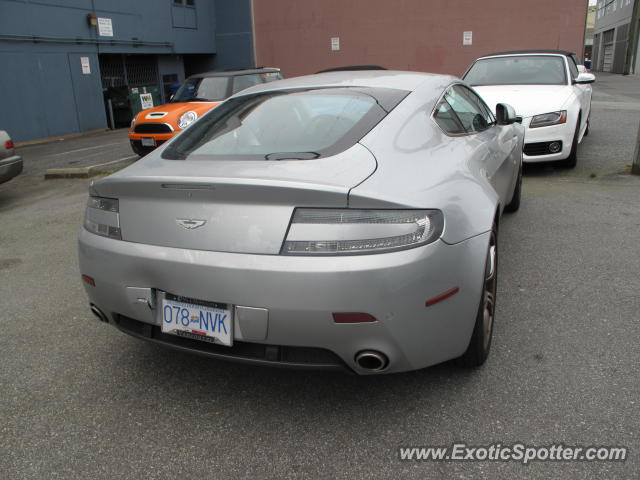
[612, 15]
[234, 35]
[409, 34]
[156, 26]
[43, 92]
[170, 64]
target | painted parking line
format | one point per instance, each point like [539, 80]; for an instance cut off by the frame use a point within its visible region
[84, 149]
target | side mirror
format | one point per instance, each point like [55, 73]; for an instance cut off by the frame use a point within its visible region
[585, 78]
[581, 69]
[506, 115]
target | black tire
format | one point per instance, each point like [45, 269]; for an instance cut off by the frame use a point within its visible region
[480, 343]
[572, 159]
[514, 204]
[139, 149]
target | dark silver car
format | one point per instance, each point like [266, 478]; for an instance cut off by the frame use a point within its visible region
[10, 163]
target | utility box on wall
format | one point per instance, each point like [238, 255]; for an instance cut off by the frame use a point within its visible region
[142, 98]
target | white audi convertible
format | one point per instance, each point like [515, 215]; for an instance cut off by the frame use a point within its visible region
[547, 90]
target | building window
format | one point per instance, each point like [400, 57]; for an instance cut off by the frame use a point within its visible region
[184, 14]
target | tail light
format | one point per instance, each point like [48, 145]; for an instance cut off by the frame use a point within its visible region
[327, 231]
[102, 217]
[8, 145]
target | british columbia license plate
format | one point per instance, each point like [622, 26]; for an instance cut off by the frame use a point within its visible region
[148, 142]
[196, 319]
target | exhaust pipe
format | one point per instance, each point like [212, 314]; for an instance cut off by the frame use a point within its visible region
[98, 313]
[372, 360]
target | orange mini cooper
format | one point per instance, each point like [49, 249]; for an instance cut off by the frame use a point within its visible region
[195, 97]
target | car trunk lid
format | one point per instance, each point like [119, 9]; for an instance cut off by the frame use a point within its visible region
[230, 206]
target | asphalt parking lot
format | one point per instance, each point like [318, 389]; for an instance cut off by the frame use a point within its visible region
[82, 400]
[103, 150]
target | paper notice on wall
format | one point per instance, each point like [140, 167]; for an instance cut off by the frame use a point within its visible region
[146, 101]
[335, 43]
[105, 27]
[467, 38]
[86, 66]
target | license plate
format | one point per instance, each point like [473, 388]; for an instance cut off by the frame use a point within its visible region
[196, 319]
[148, 142]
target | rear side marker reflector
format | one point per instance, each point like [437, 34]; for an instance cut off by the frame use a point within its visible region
[442, 296]
[88, 280]
[353, 318]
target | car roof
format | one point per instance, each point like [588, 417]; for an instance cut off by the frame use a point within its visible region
[531, 52]
[234, 73]
[361, 78]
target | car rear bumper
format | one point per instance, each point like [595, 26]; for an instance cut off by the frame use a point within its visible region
[242, 352]
[10, 167]
[300, 295]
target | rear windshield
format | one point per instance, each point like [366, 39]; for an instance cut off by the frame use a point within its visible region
[206, 89]
[284, 125]
[518, 70]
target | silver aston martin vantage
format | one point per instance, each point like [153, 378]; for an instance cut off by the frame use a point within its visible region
[344, 219]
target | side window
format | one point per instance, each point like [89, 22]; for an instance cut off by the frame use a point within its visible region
[447, 119]
[245, 81]
[466, 105]
[572, 68]
[476, 100]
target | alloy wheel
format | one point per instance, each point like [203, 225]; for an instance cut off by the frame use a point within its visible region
[489, 294]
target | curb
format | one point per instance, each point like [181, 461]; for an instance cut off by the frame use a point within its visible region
[90, 171]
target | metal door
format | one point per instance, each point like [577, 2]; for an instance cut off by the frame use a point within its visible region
[607, 51]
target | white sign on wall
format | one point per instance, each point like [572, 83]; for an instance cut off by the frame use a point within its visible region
[467, 38]
[335, 43]
[86, 66]
[105, 27]
[146, 101]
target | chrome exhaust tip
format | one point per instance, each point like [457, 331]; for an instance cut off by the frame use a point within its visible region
[98, 313]
[372, 360]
